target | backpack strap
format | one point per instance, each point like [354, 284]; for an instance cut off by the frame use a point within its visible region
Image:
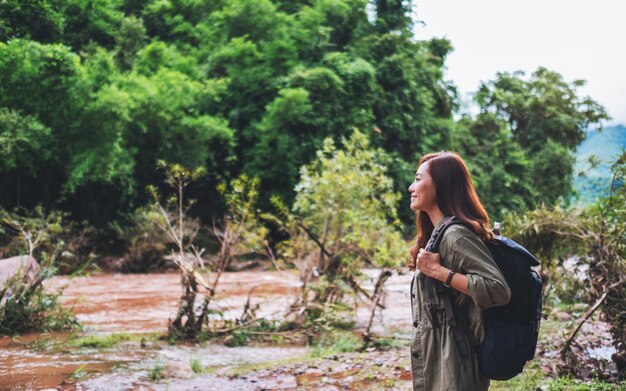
[458, 322]
[437, 235]
[431, 284]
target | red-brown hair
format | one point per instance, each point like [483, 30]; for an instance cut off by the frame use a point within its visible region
[456, 196]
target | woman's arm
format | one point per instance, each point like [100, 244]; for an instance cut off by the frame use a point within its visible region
[481, 279]
[430, 264]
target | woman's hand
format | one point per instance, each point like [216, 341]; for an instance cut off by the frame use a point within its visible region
[429, 263]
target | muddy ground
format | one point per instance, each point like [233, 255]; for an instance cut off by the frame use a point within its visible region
[135, 308]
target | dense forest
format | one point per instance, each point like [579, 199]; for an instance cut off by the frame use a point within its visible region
[94, 92]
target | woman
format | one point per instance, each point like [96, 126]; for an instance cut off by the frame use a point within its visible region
[441, 354]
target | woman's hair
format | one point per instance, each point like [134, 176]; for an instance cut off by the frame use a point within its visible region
[456, 196]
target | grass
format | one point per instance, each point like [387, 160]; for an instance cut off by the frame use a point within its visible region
[329, 344]
[569, 384]
[156, 373]
[336, 342]
[195, 365]
[533, 379]
[247, 368]
[108, 341]
[78, 373]
[530, 379]
[390, 342]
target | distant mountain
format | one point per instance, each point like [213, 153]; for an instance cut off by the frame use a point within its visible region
[606, 145]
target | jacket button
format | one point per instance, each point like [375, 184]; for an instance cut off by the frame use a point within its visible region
[414, 324]
[415, 355]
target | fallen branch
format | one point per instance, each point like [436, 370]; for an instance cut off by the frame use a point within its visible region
[377, 295]
[246, 307]
[240, 326]
[587, 315]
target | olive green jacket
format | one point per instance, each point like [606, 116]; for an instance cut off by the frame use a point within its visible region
[437, 362]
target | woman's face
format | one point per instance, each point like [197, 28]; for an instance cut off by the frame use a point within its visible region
[422, 190]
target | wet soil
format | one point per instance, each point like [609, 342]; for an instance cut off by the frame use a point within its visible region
[143, 304]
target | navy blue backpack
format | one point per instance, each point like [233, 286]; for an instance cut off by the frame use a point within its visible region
[511, 330]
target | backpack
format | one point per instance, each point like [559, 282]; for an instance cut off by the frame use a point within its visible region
[511, 330]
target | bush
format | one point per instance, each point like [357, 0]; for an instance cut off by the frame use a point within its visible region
[144, 245]
[24, 304]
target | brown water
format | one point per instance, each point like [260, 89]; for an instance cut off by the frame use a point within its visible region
[113, 303]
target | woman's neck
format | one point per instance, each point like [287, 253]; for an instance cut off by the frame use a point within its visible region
[435, 216]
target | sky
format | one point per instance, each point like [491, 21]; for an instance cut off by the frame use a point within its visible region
[578, 39]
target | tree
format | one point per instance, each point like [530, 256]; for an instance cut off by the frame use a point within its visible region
[393, 15]
[129, 40]
[240, 234]
[346, 207]
[44, 84]
[24, 147]
[547, 118]
[40, 20]
[500, 169]
[91, 21]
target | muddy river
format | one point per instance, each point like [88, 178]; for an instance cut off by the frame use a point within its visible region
[141, 304]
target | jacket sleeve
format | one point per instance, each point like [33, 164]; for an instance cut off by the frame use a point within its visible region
[485, 282]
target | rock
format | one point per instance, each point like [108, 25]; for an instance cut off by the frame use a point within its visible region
[24, 264]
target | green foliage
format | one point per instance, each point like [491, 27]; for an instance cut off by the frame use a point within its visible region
[130, 38]
[597, 236]
[88, 21]
[329, 317]
[530, 379]
[94, 92]
[107, 341]
[157, 371]
[78, 373]
[195, 365]
[144, 243]
[35, 310]
[569, 384]
[24, 143]
[237, 338]
[393, 15]
[36, 78]
[40, 20]
[346, 198]
[547, 119]
[24, 303]
[408, 102]
[344, 218]
[499, 166]
[246, 233]
[336, 342]
[542, 108]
